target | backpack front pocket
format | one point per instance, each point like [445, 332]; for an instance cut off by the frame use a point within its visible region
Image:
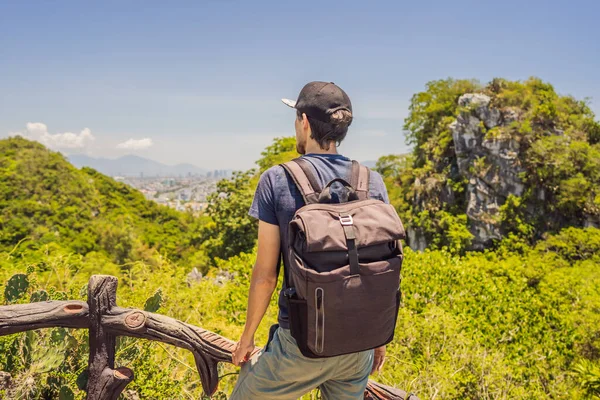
[353, 312]
[298, 315]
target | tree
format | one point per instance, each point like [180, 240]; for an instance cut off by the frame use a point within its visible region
[231, 230]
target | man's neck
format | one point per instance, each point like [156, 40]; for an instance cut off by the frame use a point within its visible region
[314, 148]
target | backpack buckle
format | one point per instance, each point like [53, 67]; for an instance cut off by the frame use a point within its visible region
[346, 220]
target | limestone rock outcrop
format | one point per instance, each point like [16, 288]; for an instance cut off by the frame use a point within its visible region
[489, 159]
[489, 162]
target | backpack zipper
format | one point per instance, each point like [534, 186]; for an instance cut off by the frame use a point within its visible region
[320, 320]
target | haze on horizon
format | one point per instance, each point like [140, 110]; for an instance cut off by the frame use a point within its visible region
[200, 83]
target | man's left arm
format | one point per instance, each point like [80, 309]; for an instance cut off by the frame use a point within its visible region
[262, 284]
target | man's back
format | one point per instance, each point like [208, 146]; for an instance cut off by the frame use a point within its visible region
[277, 198]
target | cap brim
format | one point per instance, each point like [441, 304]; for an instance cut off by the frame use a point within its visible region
[289, 103]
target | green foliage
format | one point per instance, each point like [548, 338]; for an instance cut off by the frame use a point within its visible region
[558, 139]
[396, 172]
[66, 393]
[568, 173]
[282, 149]
[487, 325]
[82, 379]
[442, 222]
[39, 295]
[153, 302]
[588, 375]
[492, 324]
[43, 361]
[514, 218]
[574, 244]
[456, 234]
[15, 287]
[559, 153]
[431, 112]
[392, 165]
[231, 230]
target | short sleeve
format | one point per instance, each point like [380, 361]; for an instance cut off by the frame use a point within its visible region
[377, 188]
[263, 205]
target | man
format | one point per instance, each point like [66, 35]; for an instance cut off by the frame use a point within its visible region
[280, 371]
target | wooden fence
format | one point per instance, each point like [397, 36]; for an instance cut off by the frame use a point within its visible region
[105, 321]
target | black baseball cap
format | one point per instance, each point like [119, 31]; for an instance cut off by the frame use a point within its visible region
[319, 100]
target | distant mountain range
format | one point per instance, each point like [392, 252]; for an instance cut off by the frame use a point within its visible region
[131, 165]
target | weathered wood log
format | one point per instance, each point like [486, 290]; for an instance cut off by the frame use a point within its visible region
[207, 347]
[104, 381]
[47, 314]
[377, 391]
[106, 321]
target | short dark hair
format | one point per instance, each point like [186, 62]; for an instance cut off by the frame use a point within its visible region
[326, 132]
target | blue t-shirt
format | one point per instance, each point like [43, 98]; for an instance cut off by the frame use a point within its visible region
[277, 198]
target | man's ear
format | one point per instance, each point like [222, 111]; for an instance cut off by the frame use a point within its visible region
[305, 124]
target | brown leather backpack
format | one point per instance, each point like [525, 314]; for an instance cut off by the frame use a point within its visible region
[344, 259]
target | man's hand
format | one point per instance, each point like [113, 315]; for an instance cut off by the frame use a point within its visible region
[242, 351]
[379, 359]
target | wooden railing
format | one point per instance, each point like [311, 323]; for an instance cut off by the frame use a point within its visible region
[105, 321]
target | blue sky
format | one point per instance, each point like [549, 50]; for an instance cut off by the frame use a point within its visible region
[200, 81]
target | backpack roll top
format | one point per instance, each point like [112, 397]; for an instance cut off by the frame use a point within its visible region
[344, 262]
[375, 222]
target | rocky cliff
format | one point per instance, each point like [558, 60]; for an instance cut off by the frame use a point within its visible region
[490, 164]
[513, 157]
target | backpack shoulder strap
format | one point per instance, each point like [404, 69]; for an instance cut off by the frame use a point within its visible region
[308, 170]
[304, 179]
[360, 180]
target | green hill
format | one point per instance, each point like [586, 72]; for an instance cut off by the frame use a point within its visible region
[45, 200]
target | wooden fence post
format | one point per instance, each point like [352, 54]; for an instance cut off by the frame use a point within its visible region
[104, 382]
